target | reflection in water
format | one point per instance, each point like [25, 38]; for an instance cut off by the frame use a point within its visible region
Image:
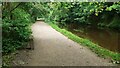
[104, 37]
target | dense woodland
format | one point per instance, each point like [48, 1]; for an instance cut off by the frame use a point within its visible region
[19, 16]
[97, 14]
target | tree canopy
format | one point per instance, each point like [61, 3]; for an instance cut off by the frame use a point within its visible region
[86, 13]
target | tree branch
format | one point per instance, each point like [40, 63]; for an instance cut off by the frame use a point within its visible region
[16, 6]
[12, 9]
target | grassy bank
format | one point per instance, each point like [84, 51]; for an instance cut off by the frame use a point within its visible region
[94, 47]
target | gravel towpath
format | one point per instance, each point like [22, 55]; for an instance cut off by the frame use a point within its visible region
[54, 49]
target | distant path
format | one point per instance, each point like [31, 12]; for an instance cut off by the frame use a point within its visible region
[54, 49]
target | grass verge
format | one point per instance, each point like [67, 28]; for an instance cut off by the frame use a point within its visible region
[105, 53]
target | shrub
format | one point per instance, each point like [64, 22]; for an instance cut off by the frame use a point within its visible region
[16, 32]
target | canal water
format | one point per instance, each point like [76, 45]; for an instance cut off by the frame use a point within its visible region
[107, 38]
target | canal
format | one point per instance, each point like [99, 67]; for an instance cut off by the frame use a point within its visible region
[106, 38]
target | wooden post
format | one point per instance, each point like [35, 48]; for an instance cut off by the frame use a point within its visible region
[30, 43]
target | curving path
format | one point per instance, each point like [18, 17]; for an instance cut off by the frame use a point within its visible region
[54, 49]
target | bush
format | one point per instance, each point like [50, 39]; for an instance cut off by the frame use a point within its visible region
[16, 32]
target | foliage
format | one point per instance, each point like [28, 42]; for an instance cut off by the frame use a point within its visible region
[17, 19]
[6, 59]
[16, 32]
[84, 13]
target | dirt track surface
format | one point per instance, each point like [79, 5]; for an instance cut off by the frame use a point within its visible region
[54, 49]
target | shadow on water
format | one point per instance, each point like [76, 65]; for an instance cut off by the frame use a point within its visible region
[106, 38]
